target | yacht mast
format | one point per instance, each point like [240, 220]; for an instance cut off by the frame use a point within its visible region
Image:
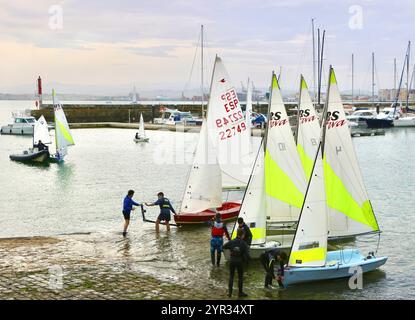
[314, 59]
[201, 59]
[373, 79]
[407, 76]
[352, 78]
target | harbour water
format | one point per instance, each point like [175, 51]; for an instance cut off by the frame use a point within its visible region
[84, 196]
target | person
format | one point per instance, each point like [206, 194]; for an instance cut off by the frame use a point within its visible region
[136, 136]
[216, 242]
[165, 208]
[247, 232]
[41, 146]
[268, 259]
[239, 254]
[127, 208]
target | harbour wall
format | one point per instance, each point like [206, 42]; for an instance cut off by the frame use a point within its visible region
[121, 113]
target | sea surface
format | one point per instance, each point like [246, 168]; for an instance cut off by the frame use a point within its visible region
[85, 193]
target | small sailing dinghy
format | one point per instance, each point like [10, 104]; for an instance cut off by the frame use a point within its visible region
[276, 188]
[36, 154]
[335, 184]
[63, 136]
[217, 162]
[141, 135]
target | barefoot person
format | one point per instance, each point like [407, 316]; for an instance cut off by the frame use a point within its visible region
[165, 208]
[127, 207]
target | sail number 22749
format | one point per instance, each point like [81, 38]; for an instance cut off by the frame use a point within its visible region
[233, 116]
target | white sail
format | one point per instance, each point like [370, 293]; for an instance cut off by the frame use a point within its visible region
[228, 130]
[350, 211]
[142, 132]
[285, 181]
[134, 101]
[41, 132]
[253, 208]
[204, 186]
[309, 130]
[63, 136]
[309, 248]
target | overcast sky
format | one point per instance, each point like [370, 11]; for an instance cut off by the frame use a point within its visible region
[105, 47]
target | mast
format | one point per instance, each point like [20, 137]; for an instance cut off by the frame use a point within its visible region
[394, 75]
[373, 79]
[318, 67]
[314, 59]
[201, 59]
[320, 63]
[407, 76]
[268, 114]
[352, 78]
[298, 111]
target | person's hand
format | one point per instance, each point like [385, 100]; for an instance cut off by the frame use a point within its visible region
[133, 208]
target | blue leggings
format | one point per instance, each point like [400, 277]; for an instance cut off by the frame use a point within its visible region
[216, 244]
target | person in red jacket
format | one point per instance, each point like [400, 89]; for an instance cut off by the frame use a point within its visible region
[216, 243]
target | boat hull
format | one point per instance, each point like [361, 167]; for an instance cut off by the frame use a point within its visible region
[228, 211]
[17, 130]
[31, 157]
[379, 123]
[340, 264]
[139, 140]
[404, 122]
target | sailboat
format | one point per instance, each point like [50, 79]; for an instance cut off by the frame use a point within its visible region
[141, 135]
[63, 136]
[134, 100]
[217, 161]
[35, 154]
[277, 185]
[335, 184]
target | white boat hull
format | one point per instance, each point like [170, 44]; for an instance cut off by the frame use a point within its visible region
[141, 140]
[339, 264]
[404, 122]
[17, 130]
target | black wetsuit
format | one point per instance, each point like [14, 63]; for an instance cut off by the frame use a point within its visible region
[268, 258]
[248, 234]
[239, 254]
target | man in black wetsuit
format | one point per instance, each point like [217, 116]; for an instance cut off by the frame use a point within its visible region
[165, 208]
[268, 259]
[239, 254]
[41, 146]
[247, 232]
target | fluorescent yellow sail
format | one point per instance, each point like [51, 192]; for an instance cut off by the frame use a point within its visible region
[341, 200]
[279, 185]
[285, 180]
[350, 211]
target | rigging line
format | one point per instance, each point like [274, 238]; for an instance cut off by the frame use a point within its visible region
[193, 63]
[377, 247]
